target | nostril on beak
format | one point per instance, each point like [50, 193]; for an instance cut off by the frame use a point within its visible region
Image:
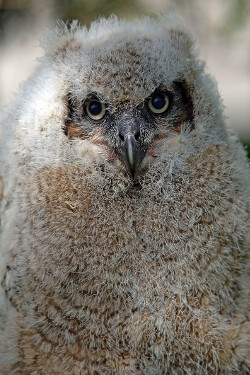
[137, 136]
[121, 136]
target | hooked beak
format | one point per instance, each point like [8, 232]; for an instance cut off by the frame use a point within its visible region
[131, 144]
[132, 154]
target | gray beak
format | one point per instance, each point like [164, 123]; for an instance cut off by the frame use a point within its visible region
[133, 154]
[130, 146]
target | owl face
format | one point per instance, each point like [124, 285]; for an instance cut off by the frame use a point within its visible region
[128, 99]
[120, 96]
[131, 133]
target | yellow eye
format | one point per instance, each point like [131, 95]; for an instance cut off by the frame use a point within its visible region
[158, 103]
[95, 109]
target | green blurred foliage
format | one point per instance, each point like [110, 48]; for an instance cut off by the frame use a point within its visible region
[236, 17]
[236, 14]
[85, 11]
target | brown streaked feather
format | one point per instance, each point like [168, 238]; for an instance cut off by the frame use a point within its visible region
[74, 131]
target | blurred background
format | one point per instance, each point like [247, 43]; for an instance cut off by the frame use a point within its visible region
[221, 27]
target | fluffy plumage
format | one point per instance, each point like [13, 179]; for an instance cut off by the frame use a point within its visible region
[125, 230]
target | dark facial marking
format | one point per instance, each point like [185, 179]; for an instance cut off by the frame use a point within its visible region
[71, 127]
[186, 102]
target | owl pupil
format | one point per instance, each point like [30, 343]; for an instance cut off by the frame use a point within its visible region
[95, 108]
[158, 101]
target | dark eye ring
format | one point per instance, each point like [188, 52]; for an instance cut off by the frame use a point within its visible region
[158, 102]
[95, 109]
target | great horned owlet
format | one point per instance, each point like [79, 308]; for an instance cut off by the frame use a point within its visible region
[125, 211]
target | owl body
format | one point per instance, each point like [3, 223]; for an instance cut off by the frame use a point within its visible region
[125, 211]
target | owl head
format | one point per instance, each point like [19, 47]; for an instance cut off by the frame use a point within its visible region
[124, 96]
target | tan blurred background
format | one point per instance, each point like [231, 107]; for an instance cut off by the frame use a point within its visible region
[221, 27]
